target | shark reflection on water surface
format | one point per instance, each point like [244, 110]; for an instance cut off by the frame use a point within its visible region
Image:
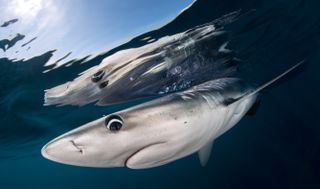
[169, 64]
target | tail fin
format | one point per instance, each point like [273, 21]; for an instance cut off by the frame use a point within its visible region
[266, 84]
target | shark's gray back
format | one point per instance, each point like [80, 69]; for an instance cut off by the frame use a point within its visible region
[219, 91]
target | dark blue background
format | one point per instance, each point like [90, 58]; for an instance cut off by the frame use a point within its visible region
[279, 147]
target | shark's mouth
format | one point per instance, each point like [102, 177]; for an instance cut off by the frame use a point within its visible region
[139, 151]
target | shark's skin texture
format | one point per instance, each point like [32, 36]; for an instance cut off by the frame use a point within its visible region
[157, 132]
[169, 64]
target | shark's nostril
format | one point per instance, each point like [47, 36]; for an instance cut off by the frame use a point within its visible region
[79, 148]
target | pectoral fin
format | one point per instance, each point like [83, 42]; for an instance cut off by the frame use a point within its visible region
[204, 153]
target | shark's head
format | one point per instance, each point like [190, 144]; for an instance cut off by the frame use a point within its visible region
[90, 85]
[87, 88]
[102, 143]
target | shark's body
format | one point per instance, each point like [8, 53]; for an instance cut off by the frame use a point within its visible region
[156, 132]
[159, 131]
[169, 64]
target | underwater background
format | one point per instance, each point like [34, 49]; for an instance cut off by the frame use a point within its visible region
[278, 147]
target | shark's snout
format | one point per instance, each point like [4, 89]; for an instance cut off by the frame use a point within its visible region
[63, 150]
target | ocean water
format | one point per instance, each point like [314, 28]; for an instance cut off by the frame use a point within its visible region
[278, 147]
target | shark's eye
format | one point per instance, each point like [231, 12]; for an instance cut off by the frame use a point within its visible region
[97, 76]
[113, 123]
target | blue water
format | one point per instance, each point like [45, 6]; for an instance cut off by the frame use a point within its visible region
[279, 147]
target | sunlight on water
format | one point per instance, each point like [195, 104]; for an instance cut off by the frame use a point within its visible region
[73, 27]
[29, 8]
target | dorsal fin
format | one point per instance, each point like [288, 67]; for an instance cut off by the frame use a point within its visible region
[232, 100]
